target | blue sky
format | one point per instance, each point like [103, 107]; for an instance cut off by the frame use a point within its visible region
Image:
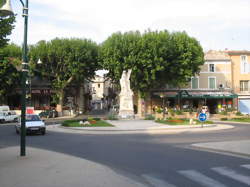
[216, 24]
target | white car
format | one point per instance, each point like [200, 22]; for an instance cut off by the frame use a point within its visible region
[8, 116]
[33, 124]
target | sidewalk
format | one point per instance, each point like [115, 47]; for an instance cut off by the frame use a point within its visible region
[42, 168]
[236, 147]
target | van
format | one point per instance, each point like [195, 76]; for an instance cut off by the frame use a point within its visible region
[6, 115]
[4, 108]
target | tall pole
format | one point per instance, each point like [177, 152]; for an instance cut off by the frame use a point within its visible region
[25, 70]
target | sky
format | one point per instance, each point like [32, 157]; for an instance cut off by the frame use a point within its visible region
[216, 24]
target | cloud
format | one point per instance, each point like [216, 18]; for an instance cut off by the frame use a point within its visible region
[214, 23]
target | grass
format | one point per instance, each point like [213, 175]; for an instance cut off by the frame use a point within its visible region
[240, 119]
[181, 121]
[96, 123]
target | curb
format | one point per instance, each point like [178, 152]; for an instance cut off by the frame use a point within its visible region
[147, 130]
[245, 155]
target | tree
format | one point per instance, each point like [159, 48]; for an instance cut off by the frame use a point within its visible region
[10, 60]
[65, 61]
[6, 26]
[156, 58]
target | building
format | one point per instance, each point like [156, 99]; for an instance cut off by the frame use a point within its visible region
[212, 87]
[97, 87]
[241, 78]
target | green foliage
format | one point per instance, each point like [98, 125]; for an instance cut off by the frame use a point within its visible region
[241, 119]
[75, 123]
[171, 112]
[159, 110]
[239, 113]
[6, 25]
[223, 119]
[154, 57]
[10, 61]
[178, 112]
[112, 117]
[223, 112]
[149, 117]
[65, 61]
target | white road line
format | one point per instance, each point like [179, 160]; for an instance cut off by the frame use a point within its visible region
[200, 178]
[232, 174]
[246, 166]
[156, 182]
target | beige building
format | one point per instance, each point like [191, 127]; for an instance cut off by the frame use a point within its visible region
[97, 90]
[241, 78]
[211, 87]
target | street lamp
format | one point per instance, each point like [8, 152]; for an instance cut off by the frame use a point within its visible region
[7, 10]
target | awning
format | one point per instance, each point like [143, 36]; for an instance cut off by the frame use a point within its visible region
[197, 94]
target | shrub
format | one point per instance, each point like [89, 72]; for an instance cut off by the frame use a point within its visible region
[223, 119]
[159, 110]
[112, 117]
[223, 112]
[171, 111]
[149, 117]
[239, 113]
[179, 112]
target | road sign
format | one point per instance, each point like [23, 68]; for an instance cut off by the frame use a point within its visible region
[202, 117]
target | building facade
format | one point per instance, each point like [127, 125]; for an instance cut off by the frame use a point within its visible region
[241, 78]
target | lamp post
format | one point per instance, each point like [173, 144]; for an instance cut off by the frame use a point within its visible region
[7, 10]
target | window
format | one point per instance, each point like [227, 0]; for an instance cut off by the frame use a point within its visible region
[212, 82]
[244, 64]
[243, 86]
[194, 82]
[211, 68]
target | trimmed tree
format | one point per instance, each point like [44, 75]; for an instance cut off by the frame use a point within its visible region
[156, 58]
[10, 60]
[65, 61]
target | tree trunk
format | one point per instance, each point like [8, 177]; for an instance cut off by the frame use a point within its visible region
[141, 106]
[81, 99]
[59, 106]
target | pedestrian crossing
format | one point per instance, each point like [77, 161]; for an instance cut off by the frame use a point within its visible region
[239, 175]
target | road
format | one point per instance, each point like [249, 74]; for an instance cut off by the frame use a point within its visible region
[153, 159]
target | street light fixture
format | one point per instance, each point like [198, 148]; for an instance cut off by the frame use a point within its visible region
[6, 10]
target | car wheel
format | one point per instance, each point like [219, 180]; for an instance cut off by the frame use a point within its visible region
[44, 132]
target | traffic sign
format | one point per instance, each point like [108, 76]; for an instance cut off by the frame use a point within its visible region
[202, 117]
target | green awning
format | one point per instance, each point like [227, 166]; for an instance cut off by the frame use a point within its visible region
[196, 95]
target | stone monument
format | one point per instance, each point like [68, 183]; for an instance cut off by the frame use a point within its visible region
[126, 109]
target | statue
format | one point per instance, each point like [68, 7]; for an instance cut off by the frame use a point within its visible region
[126, 109]
[125, 82]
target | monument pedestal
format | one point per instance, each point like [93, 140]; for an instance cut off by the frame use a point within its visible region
[126, 110]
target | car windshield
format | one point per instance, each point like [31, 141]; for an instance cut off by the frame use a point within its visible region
[32, 118]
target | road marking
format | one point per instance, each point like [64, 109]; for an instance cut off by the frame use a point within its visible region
[200, 178]
[232, 174]
[156, 182]
[246, 166]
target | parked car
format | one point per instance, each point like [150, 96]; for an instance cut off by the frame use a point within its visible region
[8, 116]
[48, 114]
[33, 124]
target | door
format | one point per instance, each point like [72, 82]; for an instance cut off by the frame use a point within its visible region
[244, 106]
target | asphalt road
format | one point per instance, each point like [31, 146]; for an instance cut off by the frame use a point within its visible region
[161, 160]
